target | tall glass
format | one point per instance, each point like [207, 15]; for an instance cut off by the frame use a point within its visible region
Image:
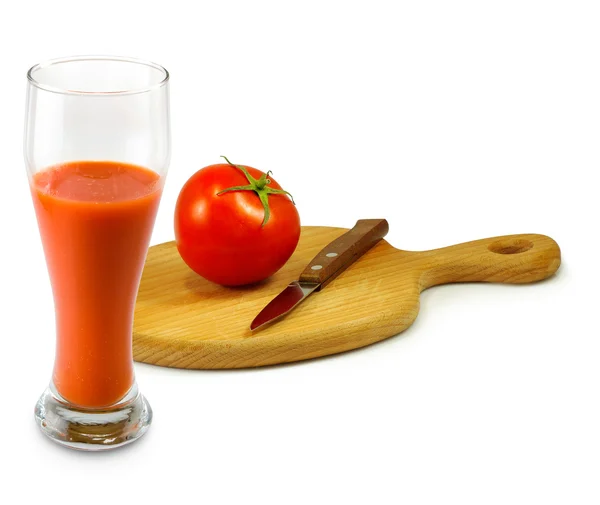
[97, 149]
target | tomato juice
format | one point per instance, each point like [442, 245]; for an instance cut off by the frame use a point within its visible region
[95, 220]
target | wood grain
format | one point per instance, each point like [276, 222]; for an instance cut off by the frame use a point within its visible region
[184, 321]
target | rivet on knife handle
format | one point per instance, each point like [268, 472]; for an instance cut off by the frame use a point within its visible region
[343, 251]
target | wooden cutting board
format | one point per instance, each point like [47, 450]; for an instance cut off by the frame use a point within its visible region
[184, 321]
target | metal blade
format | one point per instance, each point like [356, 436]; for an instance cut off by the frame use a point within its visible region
[283, 303]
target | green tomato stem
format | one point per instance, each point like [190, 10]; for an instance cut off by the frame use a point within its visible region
[259, 186]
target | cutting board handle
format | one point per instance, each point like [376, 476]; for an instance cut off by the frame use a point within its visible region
[515, 259]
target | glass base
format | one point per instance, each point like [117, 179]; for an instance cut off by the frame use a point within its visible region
[93, 429]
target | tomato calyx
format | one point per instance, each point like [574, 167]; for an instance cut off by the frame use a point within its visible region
[259, 186]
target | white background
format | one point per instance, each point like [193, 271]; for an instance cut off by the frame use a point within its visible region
[455, 121]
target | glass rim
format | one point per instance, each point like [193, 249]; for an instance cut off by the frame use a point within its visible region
[123, 59]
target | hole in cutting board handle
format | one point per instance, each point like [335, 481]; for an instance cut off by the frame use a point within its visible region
[510, 246]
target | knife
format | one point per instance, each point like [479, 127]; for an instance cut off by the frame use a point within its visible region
[324, 267]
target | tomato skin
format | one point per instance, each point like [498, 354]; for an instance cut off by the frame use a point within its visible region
[221, 237]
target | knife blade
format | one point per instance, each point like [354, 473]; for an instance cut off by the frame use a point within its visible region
[324, 267]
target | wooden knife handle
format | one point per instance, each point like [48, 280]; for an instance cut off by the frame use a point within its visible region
[343, 251]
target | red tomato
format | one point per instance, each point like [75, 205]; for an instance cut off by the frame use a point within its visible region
[231, 238]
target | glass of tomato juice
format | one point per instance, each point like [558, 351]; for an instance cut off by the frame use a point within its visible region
[97, 149]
